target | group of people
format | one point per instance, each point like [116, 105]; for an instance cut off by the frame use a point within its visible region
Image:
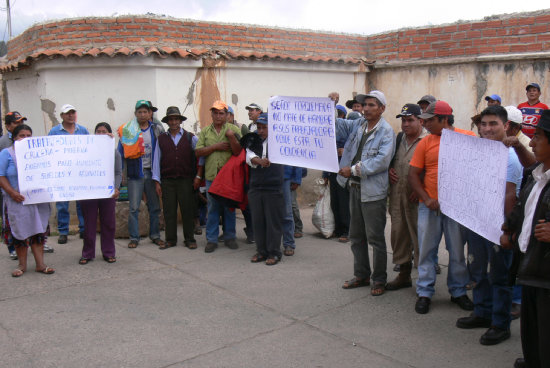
[231, 165]
[375, 164]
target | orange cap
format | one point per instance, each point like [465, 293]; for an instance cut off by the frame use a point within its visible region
[219, 105]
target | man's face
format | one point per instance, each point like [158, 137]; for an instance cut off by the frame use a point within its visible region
[434, 126]
[533, 94]
[254, 114]
[174, 123]
[230, 118]
[357, 107]
[219, 117]
[69, 117]
[262, 130]
[334, 97]
[11, 126]
[540, 145]
[411, 126]
[423, 105]
[371, 110]
[491, 127]
[491, 102]
[142, 115]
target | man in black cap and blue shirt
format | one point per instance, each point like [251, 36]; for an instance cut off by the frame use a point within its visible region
[177, 176]
[265, 199]
[68, 126]
[403, 199]
[364, 169]
[531, 109]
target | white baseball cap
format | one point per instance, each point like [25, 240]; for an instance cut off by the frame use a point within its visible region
[514, 115]
[372, 94]
[66, 108]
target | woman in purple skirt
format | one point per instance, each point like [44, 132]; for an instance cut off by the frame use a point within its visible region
[106, 209]
[26, 225]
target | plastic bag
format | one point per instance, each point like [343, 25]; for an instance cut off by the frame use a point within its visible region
[323, 218]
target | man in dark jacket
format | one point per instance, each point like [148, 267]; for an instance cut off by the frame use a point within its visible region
[528, 228]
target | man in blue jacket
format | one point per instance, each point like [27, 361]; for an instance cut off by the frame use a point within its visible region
[364, 169]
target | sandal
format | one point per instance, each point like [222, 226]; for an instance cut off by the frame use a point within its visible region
[272, 261]
[343, 239]
[378, 289]
[83, 261]
[288, 252]
[191, 245]
[159, 242]
[17, 272]
[355, 283]
[109, 259]
[46, 271]
[164, 245]
[198, 231]
[132, 244]
[257, 258]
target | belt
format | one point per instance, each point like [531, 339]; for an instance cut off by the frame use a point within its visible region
[354, 185]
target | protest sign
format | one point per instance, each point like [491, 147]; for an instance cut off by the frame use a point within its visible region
[302, 133]
[472, 182]
[61, 168]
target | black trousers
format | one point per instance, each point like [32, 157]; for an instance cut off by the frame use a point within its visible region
[268, 210]
[339, 204]
[179, 192]
[535, 326]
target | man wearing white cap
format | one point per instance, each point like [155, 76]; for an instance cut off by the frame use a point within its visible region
[364, 169]
[68, 126]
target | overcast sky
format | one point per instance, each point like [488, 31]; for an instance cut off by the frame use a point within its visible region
[349, 16]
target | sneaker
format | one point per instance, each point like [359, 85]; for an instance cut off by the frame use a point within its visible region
[494, 336]
[231, 244]
[13, 255]
[422, 305]
[463, 302]
[62, 239]
[210, 247]
[48, 249]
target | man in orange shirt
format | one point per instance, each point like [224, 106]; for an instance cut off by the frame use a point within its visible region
[432, 224]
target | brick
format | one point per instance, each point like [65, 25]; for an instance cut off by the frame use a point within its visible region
[116, 39]
[457, 52]
[473, 34]
[489, 32]
[124, 33]
[541, 28]
[527, 39]
[151, 39]
[479, 41]
[158, 21]
[429, 54]
[410, 32]
[459, 36]
[175, 22]
[465, 27]
[534, 47]
[117, 27]
[133, 26]
[545, 37]
[502, 48]
[143, 33]
[69, 29]
[133, 39]
[77, 35]
[416, 55]
[436, 30]
[450, 29]
[543, 19]
[471, 51]
[124, 20]
[518, 48]
[485, 49]
[108, 33]
[84, 28]
[424, 47]
[526, 21]
[443, 53]
[142, 20]
[418, 39]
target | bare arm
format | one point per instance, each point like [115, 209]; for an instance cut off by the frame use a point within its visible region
[526, 157]
[233, 142]
[15, 195]
[416, 184]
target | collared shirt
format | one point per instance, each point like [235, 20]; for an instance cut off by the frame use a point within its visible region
[250, 155]
[215, 161]
[541, 179]
[356, 169]
[60, 130]
[158, 153]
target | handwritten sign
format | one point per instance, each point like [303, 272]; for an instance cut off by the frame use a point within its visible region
[302, 132]
[472, 182]
[61, 168]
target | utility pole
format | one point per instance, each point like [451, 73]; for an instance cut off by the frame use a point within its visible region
[8, 18]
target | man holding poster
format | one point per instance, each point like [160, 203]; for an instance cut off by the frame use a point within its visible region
[364, 168]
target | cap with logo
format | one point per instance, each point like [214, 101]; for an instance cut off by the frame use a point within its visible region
[494, 98]
[66, 108]
[437, 108]
[13, 117]
[532, 85]
[262, 119]
[254, 106]
[409, 110]
[219, 105]
[144, 103]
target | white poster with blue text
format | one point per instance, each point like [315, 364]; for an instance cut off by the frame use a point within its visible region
[302, 132]
[61, 168]
[472, 182]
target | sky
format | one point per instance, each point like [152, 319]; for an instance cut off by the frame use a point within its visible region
[346, 16]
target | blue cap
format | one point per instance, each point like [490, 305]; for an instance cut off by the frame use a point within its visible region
[533, 85]
[342, 108]
[230, 110]
[494, 98]
[262, 119]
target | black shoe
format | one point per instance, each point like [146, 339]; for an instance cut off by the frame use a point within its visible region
[520, 363]
[473, 321]
[494, 336]
[422, 305]
[231, 244]
[210, 247]
[463, 302]
[62, 239]
[437, 269]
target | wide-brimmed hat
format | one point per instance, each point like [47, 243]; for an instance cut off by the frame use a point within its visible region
[173, 111]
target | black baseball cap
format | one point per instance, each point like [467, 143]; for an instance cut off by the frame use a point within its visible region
[410, 109]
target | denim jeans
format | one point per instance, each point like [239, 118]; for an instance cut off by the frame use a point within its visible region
[63, 217]
[432, 225]
[215, 209]
[288, 219]
[367, 223]
[136, 187]
[492, 292]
